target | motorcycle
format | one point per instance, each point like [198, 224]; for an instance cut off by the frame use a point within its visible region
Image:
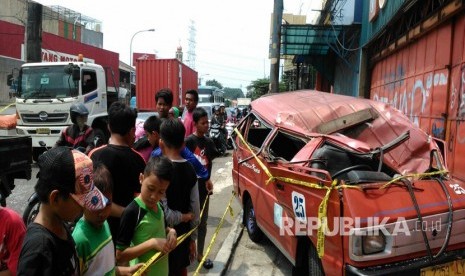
[229, 141]
[216, 134]
[33, 203]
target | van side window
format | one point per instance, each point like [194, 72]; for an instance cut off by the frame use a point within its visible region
[257, 131]
[286, 146]
[89, 81]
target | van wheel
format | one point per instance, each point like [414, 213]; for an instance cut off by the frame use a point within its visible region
[255, 234]
[307, 260]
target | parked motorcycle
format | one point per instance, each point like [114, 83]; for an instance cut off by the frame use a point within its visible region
[218, 137]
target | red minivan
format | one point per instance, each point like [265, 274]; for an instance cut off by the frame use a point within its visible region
[347, 186]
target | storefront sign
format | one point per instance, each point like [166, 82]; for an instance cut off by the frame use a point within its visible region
[54, 56]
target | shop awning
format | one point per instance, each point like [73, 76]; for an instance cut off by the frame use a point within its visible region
[308, 39]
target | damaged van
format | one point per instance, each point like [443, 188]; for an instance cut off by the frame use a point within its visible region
[347, 186]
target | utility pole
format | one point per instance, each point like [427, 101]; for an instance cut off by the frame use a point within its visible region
[34, 32]
[275, 46]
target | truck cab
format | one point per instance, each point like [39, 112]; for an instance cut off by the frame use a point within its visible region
[45, 93]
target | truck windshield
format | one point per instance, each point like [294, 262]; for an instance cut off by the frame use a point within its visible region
[48, 82]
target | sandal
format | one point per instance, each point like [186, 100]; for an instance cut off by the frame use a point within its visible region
[208, 264]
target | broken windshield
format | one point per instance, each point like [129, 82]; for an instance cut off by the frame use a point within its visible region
[47, 82]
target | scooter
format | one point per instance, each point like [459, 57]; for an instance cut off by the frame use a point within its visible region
[229, 141]
[218, 138]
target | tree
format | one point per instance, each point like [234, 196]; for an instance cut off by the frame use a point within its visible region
[214, 82]
[260, 87]
[233, 93]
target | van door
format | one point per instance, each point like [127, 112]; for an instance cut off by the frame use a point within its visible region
[251, 175]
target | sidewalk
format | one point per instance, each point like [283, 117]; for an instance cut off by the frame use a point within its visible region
[241, 256]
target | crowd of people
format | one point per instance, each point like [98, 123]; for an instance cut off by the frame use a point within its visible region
[127, 200]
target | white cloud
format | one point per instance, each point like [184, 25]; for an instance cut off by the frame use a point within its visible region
[231, 36]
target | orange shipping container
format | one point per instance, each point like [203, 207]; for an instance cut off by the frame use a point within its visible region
[153, 75]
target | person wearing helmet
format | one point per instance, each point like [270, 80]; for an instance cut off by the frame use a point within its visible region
[78, 135]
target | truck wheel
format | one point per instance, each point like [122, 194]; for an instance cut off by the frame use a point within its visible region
[36, 152]
[307, 262]
[255, 233]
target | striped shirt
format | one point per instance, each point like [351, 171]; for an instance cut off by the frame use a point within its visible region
[95, 249]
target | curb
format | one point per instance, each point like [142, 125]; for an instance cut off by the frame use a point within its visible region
[224, 256]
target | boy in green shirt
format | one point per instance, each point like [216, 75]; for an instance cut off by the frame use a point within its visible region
[142, 231]
[94, 244]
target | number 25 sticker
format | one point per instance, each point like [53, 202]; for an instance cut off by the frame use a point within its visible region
[298, 205]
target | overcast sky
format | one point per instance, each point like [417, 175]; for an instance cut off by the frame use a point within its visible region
[231, 37]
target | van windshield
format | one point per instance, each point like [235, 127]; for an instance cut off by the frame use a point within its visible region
[47, 82]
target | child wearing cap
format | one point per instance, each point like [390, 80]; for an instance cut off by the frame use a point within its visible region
[94, 244]
[142, 231]
[65, 186]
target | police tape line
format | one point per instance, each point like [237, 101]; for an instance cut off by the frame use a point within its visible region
[160, 256]
[212, 241]
[6, 107]
[335, 185]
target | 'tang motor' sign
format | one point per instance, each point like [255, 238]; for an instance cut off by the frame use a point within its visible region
[54, 56]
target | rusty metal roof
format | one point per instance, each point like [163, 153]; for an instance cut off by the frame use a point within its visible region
[313, 113]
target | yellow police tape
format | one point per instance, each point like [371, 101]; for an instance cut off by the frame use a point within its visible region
[417, 175]
[6, 107]
[212, 241]
[322, 208]
[160, 256]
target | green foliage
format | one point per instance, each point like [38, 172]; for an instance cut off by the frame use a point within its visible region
[227, 102]
[258, 88]
[214, 82]
[233, 93]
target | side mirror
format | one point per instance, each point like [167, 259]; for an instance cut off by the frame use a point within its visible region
[76, 73]
[9, 79]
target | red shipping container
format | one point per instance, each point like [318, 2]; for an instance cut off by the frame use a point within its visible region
[153, 75]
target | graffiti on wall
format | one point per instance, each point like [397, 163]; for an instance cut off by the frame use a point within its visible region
[420, 92]
[458, 95]
[457, 106]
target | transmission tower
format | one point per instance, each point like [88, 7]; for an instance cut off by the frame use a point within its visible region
[191, 44]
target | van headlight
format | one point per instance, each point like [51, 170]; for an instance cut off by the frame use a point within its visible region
[369, 243]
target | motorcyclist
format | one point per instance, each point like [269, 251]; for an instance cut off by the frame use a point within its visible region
[218, 119]
[79, 135]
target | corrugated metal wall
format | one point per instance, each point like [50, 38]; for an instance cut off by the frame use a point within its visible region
[426, 81]
[153, 75]
[345, 77]
[385, 14]
[456, 102]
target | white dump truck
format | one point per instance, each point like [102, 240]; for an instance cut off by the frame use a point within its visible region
[45, 92]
